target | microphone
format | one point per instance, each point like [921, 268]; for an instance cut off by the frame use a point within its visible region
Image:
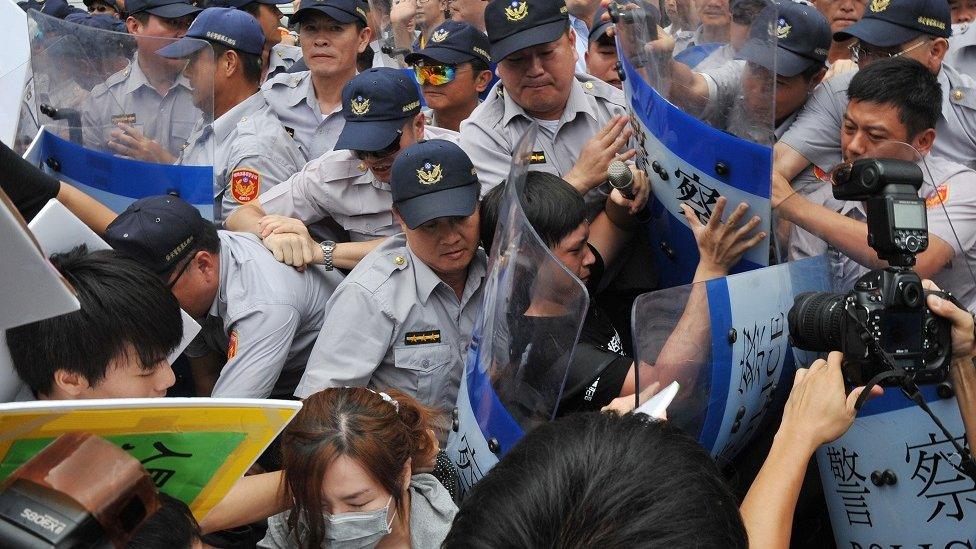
[621, 178]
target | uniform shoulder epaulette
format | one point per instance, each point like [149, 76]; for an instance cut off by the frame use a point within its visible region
[112, 80]
[382, 268]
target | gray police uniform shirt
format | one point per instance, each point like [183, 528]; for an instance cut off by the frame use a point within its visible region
[265, 318]
[292, 99]
[251, 151]
[338, 185]
[682, 38]
[394, 323]
[955, 224]
[490, 134]
[816, 132]
[281, 58]
[127, 97]
[962, 48]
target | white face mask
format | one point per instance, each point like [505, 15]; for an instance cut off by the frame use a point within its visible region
[358, 530]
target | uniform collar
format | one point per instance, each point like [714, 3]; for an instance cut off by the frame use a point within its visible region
[137, 78]
[575, 105]
[239, 113]
[427, 280]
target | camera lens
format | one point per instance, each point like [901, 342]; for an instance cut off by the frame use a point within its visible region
[911, 294]
[816, 321]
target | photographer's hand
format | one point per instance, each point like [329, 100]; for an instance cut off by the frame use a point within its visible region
[962, 372]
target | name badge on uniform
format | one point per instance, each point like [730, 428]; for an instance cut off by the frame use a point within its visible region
[124, 119]
[420, 338]
[538, 157]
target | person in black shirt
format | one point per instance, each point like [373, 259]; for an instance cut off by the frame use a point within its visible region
[600, 371]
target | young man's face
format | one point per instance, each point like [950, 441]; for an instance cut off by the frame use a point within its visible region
[540, 78]
[840, 14]
[601, 62]
[573, 252]
[329, 47]
[446, 244]
[462, 90]
[868, 126]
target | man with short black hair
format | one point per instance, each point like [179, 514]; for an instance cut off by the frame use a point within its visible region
[116, 346]
[897, 100]
[249, 148]
[259, 318]
[452, 71]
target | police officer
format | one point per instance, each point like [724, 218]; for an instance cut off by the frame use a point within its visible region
[916, 29]
[259, 318]
[149, 103]
[840, 14]
[277, 57]
[452, 71]
[251, 150]
[601, 52]
[962, 43]
[582, 120]
[350, 185]
[332, 33]
[403, 317]
[104, 7]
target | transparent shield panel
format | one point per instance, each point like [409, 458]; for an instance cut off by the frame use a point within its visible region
[726, 344]
[702, 109]
[400, 27]
[121, 120]
[524, 341]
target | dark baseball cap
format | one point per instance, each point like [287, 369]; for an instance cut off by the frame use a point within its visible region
[433, 179]
[58, 8]
[241, 3]
[157, 231]
[639, 9]
[376, 104]
[802, 39]
[518, 24]
[888, 23]
[229, 27]
[167, 9]
[102, 21]
[343, 11]
[454, 42]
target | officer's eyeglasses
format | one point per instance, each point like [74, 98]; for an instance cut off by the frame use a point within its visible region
[100, 8]
[859, 53]
[186, 265]
[435, 75]
[393, 148]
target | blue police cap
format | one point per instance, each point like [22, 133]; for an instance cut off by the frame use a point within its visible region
[454, 42]
[888, 23]
[228, 27]
[157, 231]
[58, 8]
[343, 11]
[101, 21]
[376, 104]
[167, 9]
[433, 179]
[241, 3]
[518, 24]
[802, 39]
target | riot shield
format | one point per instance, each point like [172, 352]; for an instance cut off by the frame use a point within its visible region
[703, 121]
[115, 115]
[726, 342]
[523, 342]
[895, 478]
[14, 66]
[398, 29]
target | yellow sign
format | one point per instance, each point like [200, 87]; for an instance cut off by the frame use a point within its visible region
[194, 449]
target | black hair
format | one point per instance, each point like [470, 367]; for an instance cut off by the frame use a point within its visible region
[250, 63]
[124, 307]
[601, 480]
[142, 17]
[208, 240]
[553, 207]
[172, 526]
[904, 84]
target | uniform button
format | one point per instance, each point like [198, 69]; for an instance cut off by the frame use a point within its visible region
[243, 119]
[399, 260]
[588, 85]
[958, 95]
[426, 363]
[369, 227]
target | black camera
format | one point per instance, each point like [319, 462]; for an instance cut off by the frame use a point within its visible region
[883, 325]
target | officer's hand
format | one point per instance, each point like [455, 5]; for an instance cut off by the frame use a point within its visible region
[721, 245]
[292, 249]
[278, 224]
[818, 411]
[129, 141]
[963, 335]
[840, 67]
[403, 14]
[641, 189]
[591, 166]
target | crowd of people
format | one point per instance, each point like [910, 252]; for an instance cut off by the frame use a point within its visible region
[360, 159]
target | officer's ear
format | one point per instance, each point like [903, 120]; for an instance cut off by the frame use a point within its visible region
[365, 37]
[207, 263]
[133, 25]
[418, 125]
[937, 51]
[571, 33]
[229, 63]
[482, 81]
[924, 140]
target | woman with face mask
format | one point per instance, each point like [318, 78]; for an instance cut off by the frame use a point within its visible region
[350, 479]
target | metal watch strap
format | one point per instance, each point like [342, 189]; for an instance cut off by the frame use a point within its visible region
[328, 246]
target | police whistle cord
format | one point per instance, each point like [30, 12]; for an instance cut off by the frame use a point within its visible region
[910, 389]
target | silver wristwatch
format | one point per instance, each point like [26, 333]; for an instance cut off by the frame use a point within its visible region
[328, 246]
